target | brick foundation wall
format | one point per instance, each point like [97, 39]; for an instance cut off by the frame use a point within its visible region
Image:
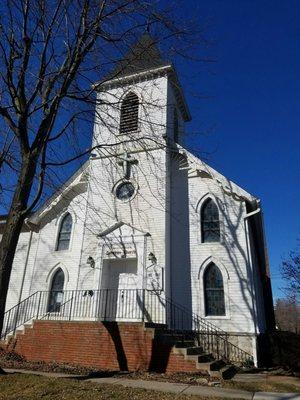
[104, 345]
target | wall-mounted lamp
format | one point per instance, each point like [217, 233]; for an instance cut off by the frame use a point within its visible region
[91, 262]
[152, 258]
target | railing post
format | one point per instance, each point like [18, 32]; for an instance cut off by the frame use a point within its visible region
[39, 303]
[16, 319]
[227, 346]
[105, 304]
[70, 313]
[143, 306]
[7, 326]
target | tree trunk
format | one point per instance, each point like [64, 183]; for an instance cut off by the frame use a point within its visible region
[13, 226]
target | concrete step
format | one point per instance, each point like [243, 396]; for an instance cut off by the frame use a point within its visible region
[205, 357]
[204, 366]
[28, 324]
[211, 366]
[194, 350]
[8, 337]
[202, 358]
[154, 325]
[185, 344]
[188, 351]
[176, 332]
[171, 340]
[226, 372]
[174, 335]
[20, 330]
[216, 365]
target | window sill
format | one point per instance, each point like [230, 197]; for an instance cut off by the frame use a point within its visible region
[212, 244]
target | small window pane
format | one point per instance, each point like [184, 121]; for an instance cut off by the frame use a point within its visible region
[64, 233]
[214, 291]
[210, 224]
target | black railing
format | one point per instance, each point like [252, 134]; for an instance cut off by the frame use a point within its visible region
[124, 305]
[205, 334]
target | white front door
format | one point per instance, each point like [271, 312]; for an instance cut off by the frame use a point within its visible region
[120, 294]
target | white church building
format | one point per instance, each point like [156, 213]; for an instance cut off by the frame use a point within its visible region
[145, 230]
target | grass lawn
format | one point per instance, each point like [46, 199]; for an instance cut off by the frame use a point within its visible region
[267, 386]
[29, 387]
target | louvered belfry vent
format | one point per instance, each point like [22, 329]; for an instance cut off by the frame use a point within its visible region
[129, 113]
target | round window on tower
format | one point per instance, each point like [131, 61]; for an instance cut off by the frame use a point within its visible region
[125, 191]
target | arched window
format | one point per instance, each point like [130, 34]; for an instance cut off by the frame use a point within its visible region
[214, 291]
[64, 234]
[129, 113]
[56, 291]
[176, 125]
[210, 223]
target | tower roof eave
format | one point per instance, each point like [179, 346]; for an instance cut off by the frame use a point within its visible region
[167, 69]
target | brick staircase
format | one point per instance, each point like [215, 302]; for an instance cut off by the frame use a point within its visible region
[185, 344]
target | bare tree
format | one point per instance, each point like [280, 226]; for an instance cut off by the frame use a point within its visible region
[287, 313]
[50, 54]
[290, 271]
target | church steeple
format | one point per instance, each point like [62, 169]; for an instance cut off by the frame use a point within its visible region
[143, 56]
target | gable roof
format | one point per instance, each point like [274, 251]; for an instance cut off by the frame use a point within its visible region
[229, 187]
[78, 177]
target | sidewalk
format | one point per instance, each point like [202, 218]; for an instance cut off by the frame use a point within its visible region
[176, 388]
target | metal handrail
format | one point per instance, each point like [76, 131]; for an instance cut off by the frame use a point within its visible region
[207, 335]
[127, 305]
[11, 316]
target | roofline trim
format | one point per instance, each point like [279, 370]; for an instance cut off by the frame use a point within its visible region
[101, 86]
[120, 79]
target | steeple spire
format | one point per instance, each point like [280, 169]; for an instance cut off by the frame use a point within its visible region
[142, 56]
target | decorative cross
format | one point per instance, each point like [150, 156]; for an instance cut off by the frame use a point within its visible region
[126, 161]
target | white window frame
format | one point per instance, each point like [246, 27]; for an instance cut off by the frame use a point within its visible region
[199, 210]
[226, 279]
[59, 222]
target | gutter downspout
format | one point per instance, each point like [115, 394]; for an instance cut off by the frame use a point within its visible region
[168, 225]
[250, 266]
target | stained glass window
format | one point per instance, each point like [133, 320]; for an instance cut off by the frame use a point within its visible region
[129, 113]
[56, 291]
[210, 223]
[214, 291]
[64, 233]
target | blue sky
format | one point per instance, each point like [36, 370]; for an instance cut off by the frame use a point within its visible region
[253, 108]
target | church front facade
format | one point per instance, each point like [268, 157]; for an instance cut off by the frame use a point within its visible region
[145, 230]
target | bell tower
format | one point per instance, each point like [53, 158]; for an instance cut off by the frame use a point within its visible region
[140, 100]
[140, 115]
